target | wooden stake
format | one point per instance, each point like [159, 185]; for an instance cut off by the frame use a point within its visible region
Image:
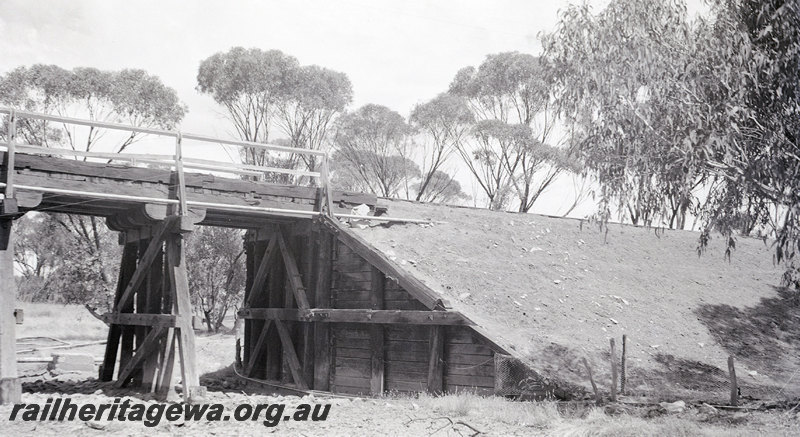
[734, 386]
[623, 378]
[613, 372]
[591, 379]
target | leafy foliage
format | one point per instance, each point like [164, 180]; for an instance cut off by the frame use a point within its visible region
[58, 266]
[248, 83]
[372, 145]
[259, 89]
[677, 115]
[75, 259]
[128, 96]
[443, 123]
[215, 264]
[509, 92]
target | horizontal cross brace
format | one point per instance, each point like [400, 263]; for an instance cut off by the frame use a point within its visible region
[135, 319]
[358, 316]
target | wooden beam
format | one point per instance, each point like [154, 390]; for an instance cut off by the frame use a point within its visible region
[275, 298]
[121, 179]
[388, 317]
[255, 353]
[142, 319]
[288, 347]
[154, 289]
[149, 345]
[295, 280]
[10, 386]
[322, 291]
[166, 378]
[263, 270]
[376, 381]
[306, 246]
[406, 280]
[143, 267]
[179, 284]
[126, 269]
[436, 361]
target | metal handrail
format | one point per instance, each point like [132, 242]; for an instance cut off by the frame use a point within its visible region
[160, 132]
[177, 161]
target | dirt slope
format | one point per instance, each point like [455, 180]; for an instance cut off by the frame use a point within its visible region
[555, 290]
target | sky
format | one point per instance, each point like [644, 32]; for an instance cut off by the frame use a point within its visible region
[396, 53]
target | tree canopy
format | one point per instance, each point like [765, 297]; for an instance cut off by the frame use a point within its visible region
[507, 92]
[129, 96]
[688, 115]
[264, 89]
[371, 146]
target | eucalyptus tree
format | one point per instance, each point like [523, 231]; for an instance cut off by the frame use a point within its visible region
[82, 251]
[371, 148]
[512, 88]
[249, 84]
[306, 114]
[443, 122]
[671, 106]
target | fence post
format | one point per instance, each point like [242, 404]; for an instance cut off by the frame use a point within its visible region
[613, 372]
[623, 377]
[591, 379]
[734, 386]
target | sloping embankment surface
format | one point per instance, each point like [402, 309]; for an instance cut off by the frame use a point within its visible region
[556, 290]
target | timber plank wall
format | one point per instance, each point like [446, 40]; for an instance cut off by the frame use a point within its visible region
[343, 272]
[468, 363]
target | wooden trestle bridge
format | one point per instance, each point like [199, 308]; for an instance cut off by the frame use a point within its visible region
[323, 309]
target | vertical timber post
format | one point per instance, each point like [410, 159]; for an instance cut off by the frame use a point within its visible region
[613, 371]
[175, 255]
[10, 386]
[436, 360]
[322, 299]
[734, 386]
[623, 378]
[376, 382]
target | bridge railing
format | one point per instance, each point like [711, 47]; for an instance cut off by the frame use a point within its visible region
[176, 161]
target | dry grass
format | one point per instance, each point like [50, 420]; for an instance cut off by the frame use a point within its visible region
[70, 323]
[597, 423]
[493, 409]
[576, 420]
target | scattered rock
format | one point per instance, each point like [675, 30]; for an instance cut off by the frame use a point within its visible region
[96, 425]
[673, 407]
[556, 281]
[707, 409]
[71, 363]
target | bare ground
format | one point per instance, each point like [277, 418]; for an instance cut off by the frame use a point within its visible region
[390, 415]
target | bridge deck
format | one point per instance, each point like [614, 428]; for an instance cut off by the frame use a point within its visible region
[81, 178]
